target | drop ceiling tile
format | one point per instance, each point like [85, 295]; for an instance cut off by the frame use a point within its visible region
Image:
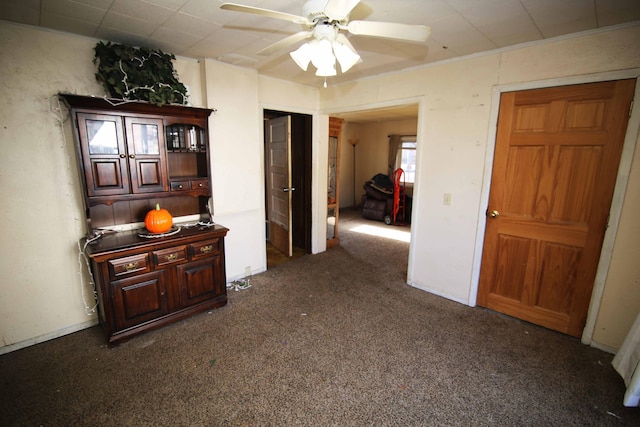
[408, 12]
[98, 4]
[611, 12]
[504, 22]
[66, 24]
[213, 47]
[22, 11]
[209, 10]
[176, 38]
[190, 24]
[457, 34]
[127, 24]
[168, 4]
[293, 7]
[72, 10]
[555, 18]
[141, 11]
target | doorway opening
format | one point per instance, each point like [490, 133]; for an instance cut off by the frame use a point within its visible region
[367, 153]
[298, 229]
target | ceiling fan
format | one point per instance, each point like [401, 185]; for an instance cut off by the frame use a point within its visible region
[324, 19]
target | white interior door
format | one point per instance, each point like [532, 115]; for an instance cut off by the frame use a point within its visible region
[279, 183]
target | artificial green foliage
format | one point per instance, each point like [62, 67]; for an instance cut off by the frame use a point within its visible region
[137, 73]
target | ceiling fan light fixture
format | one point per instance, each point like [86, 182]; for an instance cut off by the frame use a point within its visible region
[323, 58]
[327, 71]
[346, 56]
[322, 55]
[302, 55]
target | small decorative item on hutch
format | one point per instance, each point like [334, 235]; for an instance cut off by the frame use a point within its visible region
[158, 220]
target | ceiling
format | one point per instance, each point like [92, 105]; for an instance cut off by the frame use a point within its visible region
[200, 29]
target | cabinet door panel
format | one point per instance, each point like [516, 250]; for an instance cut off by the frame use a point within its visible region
[103, 154]
[200, 280]
[139, 299]
[147, 158]
[107, 174]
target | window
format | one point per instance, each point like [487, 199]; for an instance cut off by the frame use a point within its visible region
[406, 159]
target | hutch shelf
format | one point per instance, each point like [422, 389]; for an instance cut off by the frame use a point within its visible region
[130, 157]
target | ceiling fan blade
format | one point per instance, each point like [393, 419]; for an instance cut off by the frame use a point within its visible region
[390, 30]
[337, 10]
[287, 41]
[266, 12]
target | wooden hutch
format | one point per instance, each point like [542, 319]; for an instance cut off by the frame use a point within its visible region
[131, 156]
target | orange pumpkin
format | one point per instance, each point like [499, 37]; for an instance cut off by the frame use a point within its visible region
[158, 220]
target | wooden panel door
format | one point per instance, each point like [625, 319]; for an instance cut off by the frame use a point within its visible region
[104, 154]
[139, 299]
[200, 281]
[555, 165]
[279, 184]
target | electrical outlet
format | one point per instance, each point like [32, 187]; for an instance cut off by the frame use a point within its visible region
[247, 271]
[447, 199]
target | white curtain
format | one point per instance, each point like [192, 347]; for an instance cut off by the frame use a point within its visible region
[627, 363]
[395, 141]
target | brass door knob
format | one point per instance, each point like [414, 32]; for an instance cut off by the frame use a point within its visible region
[494, 214]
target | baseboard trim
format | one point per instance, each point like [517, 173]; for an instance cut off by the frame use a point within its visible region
[437, 292]
[46, 337]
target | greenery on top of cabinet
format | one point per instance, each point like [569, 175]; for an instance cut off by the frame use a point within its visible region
[137, 73]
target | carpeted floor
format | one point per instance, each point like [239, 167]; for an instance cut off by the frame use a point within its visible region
[334, 339]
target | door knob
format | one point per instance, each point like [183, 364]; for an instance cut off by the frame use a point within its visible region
[494, 214]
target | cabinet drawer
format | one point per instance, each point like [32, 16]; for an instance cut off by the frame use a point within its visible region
[127, 265]
[170, 255]
[199, 184]
[205, 248]
[180, 185]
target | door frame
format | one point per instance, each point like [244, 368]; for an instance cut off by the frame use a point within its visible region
[633, 128]
[316, 136]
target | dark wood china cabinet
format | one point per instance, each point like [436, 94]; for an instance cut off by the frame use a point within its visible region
[132, 156]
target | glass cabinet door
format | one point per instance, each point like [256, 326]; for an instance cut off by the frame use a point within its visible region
[145, 138]
[104, 157]
[102, 136]
[146, 160]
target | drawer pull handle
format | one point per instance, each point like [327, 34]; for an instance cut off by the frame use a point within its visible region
[206, 249]
[131, 266]
[172, 257]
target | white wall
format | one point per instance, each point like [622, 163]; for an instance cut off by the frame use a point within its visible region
[236, 163]
[42, 216]
[456, 118]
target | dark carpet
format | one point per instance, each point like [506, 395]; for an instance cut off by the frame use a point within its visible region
[334, 339]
